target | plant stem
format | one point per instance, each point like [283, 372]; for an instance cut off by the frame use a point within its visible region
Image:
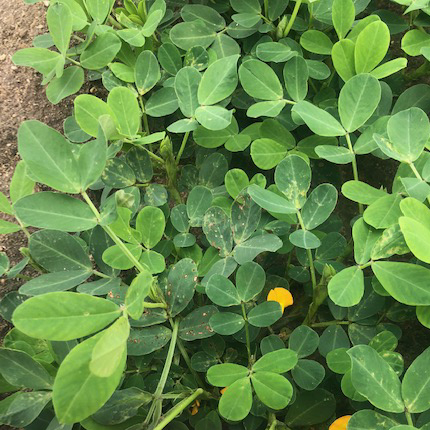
[176, 410]
[248, 339]
[145, 117]
[418, 176]
[354, 166]
[330, 323]
[77, 63]
[112, 235]
[409, 418]
[23, 228]
[182, 148]
[309, 254]
[293, 17]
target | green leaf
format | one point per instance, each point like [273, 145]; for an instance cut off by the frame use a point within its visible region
[308, 374]
[186, 86]
[70, 83]
[343, 59]
[125, 107]
[310, 408]
[414, 41]
[216, 226]
[416, 384]
[21, 185]
[223, 375]
[335, 154]
[346, 288]
[150, 223]
[389, 68]
[260, 81]
[60, 21]
[304, 341]
[275, 391]
[136, 293]
[279, 361]
[186, 35]
[275, 52]
[214, 117]
[361, 192]
[57, 251]
[221, 291]
[146, 72]
[371, 46]
[265, 314]
[149, 339]
[109, 351]
[55, 211]
[407, 283]
[7, 227]
[78, 393]
[226, 323]
[319, 206]
[391, 242]
[374, 379]
[21, 370]
[21, 409]
[304, 239]
[364, 238]
[236, 402]
[169, 58]
[181, 285]
[101, 51]
[219, 81]
[250, 281]
[267, 153]
[270, 201]
[248, 250]
[98, 9]
[317, 42]
[296, 77]
[52, 282]
[64, 316]
[384, 212]
[358, 100]
[343, 15]
[198, 202]
[416, 236]
[41, 59]
[115, 257]
[318, 120]
[207, 14]
[245, 218]
[338, 361]
[4, 263]
[132, 36]
[88, 111]
[118, 174]
[236, 180]
[49, 156]
[409, 131]
[366, 419]
[293, 179]
[162, 103]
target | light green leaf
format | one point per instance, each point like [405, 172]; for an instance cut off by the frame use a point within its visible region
[279, 361]
[384, 212]
[364, 238]
[317, 42]
[296, 77]
[70, 83]
[250, 280]
[346, 288]
[221, 291]
[407, 283]
[101, 51]
[125, 108]
[362, 192]
[358, 100]
[304, 239]
[374, 379]
[223, 375]
[60, 21]
[318, 120]
[319, 205]
[271, 201]
[248, 250]
[43, 60]
[414, 41]
[236, 402]
[219, 81]
[214, 117]
[55, 211]
[343, 15]
[146, 72]
[64, 316]
[275, 391]
[267, 153]
[186, 86]
[150, 223]
[137, 293]
[343, 59]
[417, 237]
[186, 35]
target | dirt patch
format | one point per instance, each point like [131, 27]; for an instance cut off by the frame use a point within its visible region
[21, 97]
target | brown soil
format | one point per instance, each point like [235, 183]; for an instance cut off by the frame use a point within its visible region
[21, 98]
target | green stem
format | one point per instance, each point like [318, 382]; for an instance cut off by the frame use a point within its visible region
[176, 410]
[409, 418]
[182, 148]
[266, 8]
[330, 323]
[77, 63]
[293, 17]
[418, 176]
[112, 235]
[114, 22]
[150, 305]
[187, 360]
[248, 339]
[309, 254]
[145, 117]
[23, 228]
[354, 166]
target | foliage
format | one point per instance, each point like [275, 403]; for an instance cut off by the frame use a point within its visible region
[193, 264]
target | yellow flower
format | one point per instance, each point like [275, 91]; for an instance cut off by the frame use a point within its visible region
[282, 296]
[195, 407]
[340, 423]
[223, 390]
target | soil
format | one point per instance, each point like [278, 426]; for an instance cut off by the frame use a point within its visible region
[21, 98]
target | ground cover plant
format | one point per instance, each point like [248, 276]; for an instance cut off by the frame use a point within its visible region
[208, 247]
